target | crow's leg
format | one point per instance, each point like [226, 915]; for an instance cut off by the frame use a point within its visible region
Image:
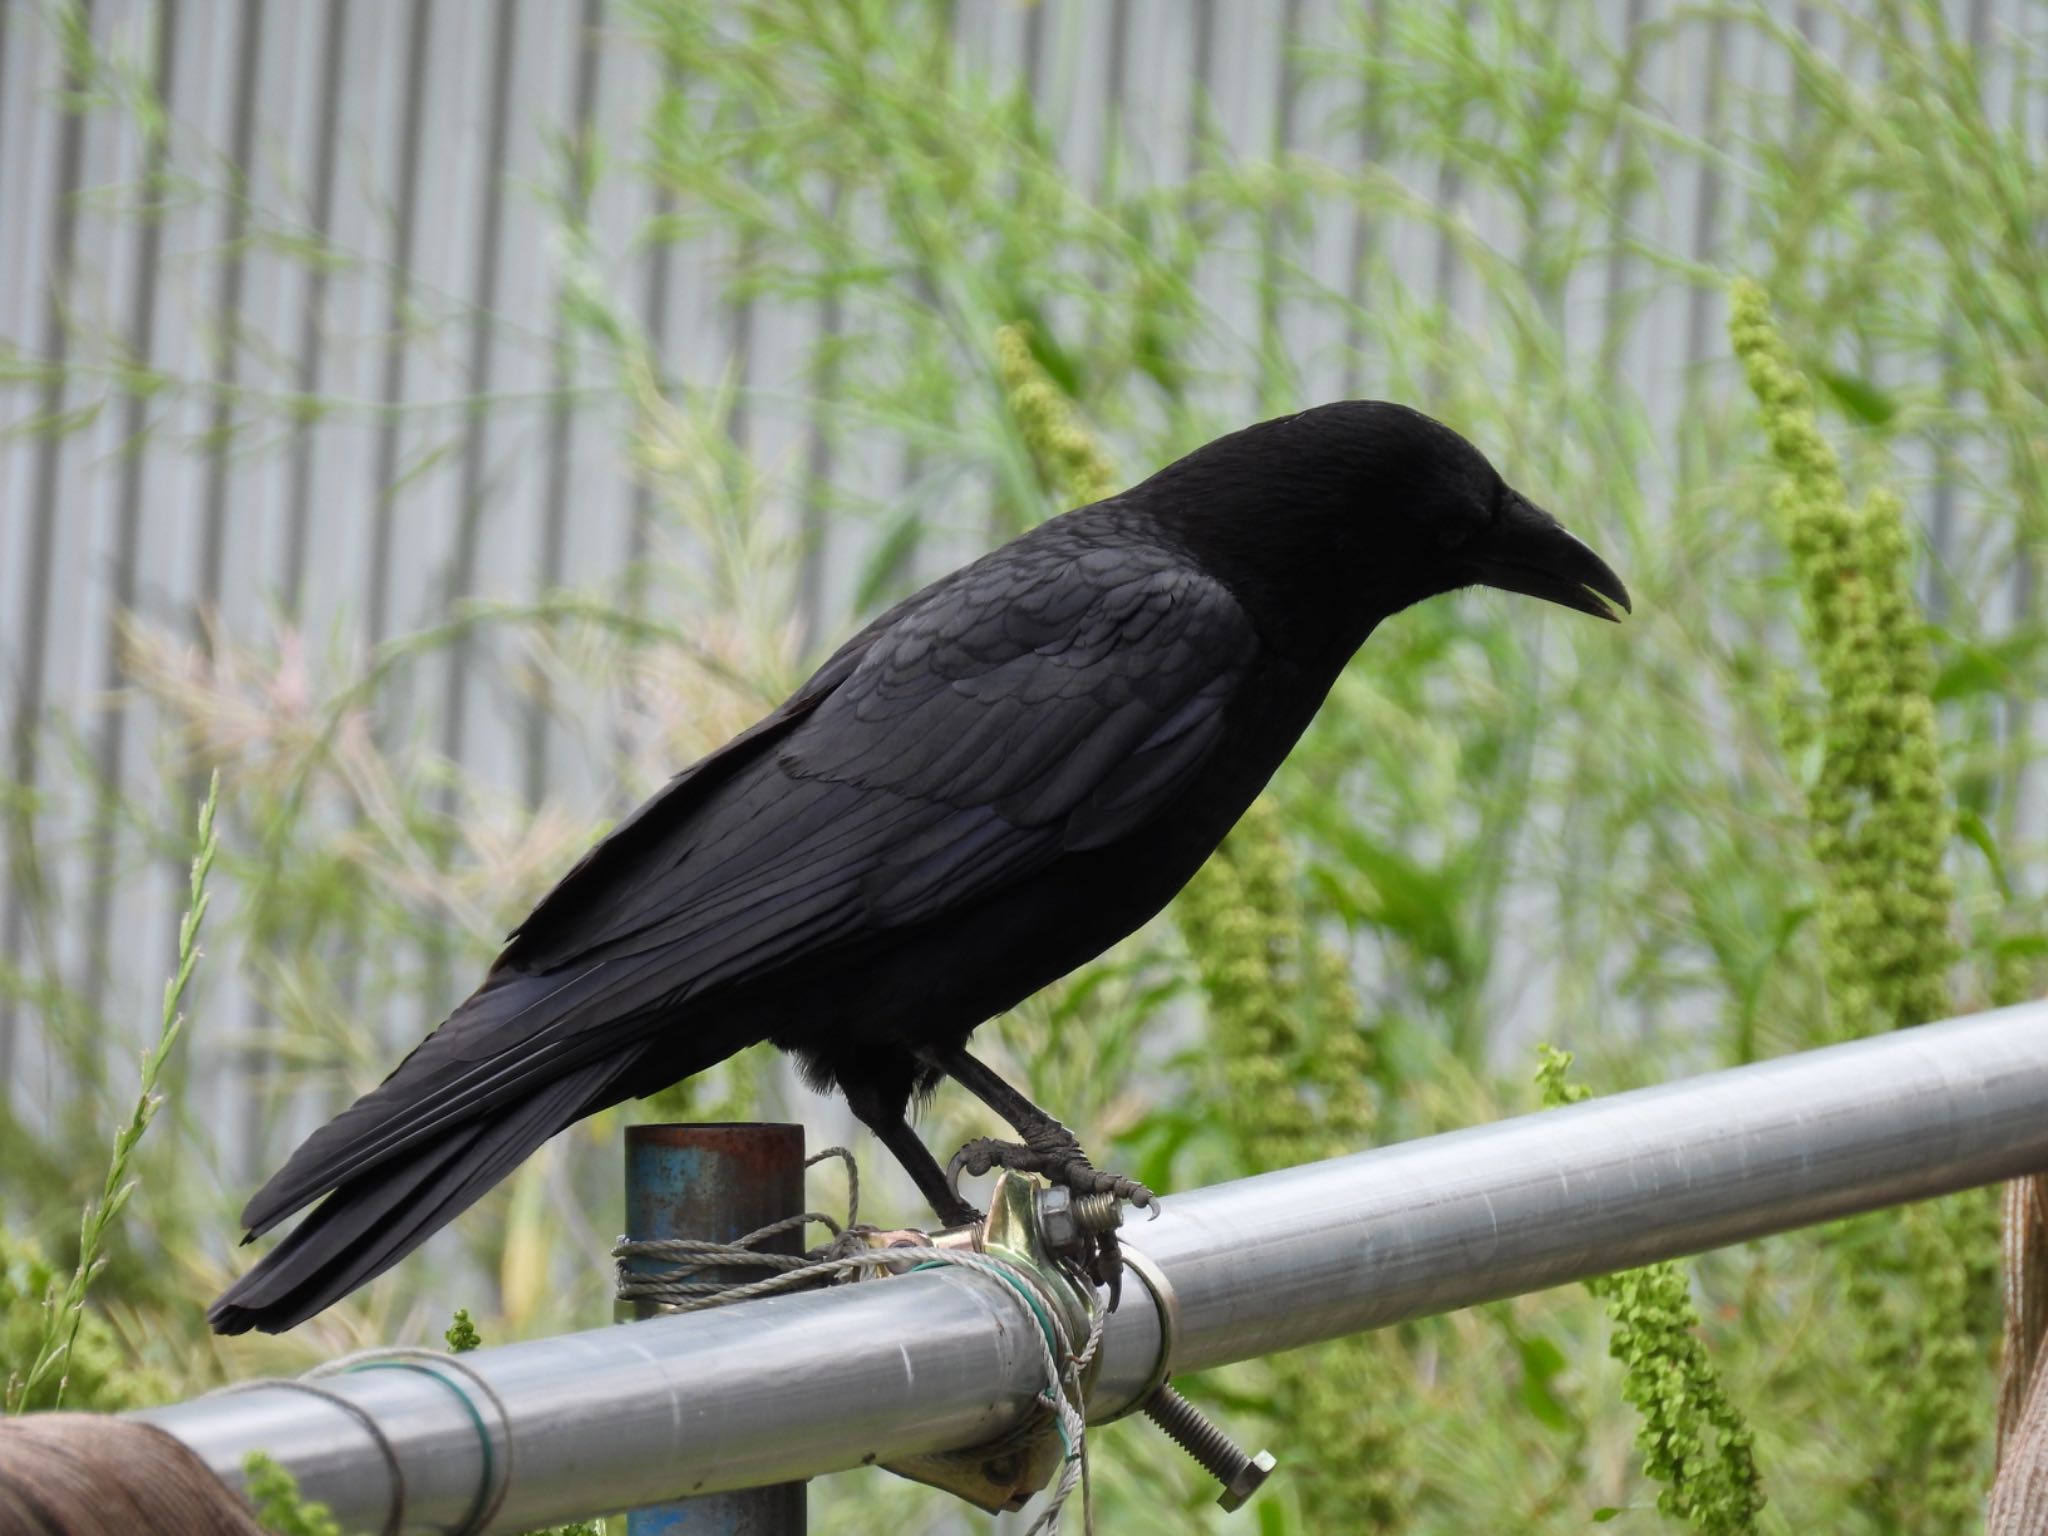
[887, 1115]
[1048, 1148]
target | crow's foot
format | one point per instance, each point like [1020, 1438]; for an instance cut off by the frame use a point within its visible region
[1059, 1160]
[1057, 1157]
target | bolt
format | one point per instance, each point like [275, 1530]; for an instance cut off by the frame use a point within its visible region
[1202, 1438]
[1067, 1220]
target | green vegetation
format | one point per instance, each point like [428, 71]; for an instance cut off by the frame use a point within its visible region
[1780, 806]
[1288, 1055]
[1925, 1284]
[1694, 1440]
[462, 1336]
[41, 1380]
[1881, 823]
[274, 1494]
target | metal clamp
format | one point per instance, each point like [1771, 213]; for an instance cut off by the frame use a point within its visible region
[1167, 1306]
[1004, 1475]
[1036, 1229]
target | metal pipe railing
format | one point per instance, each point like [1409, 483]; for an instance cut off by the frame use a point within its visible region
[788, 1387]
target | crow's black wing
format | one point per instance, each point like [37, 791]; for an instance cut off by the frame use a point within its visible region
[1026, 707]
[1037, 712]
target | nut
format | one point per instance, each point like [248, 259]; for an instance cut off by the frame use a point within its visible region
[1056, 1222]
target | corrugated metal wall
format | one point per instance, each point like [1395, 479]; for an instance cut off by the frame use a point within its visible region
[341, 270]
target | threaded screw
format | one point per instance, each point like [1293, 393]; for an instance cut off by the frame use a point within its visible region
[1098, 1213]
[1204, 1439]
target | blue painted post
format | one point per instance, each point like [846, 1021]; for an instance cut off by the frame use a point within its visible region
[717, 1183]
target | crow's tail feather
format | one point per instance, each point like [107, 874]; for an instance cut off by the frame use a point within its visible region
[506, 1045]
[371, 1222]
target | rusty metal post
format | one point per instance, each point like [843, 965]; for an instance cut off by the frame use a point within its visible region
[717, 1183]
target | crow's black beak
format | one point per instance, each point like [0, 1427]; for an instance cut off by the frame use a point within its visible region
[1528, 551]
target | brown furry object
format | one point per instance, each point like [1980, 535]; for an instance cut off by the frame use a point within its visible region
[78, 1474]
[2019, 1498]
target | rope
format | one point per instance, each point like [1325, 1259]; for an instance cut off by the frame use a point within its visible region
[394, 1522]
[681, 1289]
[677, 1288]
[491, 1490]
[495, 1478]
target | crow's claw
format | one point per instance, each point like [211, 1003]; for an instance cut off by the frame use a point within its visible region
[984, 1153]
[1083, 1178]
[1058, 1162]
[1106, 1266]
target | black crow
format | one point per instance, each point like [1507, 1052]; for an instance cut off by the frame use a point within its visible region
[989, 785]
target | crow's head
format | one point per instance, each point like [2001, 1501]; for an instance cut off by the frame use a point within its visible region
[1363, 507]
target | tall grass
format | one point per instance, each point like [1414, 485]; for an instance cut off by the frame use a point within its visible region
[64, 1311]
[1509, 823]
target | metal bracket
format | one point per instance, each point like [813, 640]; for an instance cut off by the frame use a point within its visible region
[1004, 1474]
[1036, 1229]
[1167, 1306]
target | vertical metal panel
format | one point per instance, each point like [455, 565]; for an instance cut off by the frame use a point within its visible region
[1703, 304]
[110, 755]
[547, 561]
[324, 157]
[480, 299]
[25, 873]
[344, 516]
[246, 51]
[398, 277]
[456, 440]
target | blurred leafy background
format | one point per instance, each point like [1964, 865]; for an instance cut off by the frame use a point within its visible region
[446, 420]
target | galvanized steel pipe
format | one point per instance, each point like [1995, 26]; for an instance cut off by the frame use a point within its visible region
[783, 1388]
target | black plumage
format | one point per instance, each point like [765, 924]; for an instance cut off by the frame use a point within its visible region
[984, 788]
